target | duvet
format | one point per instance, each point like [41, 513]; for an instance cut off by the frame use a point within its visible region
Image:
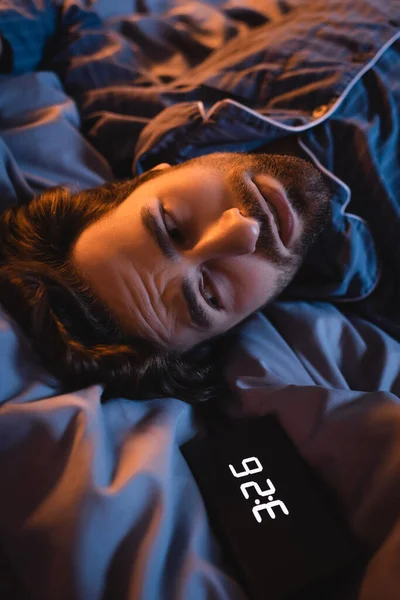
[96, 498]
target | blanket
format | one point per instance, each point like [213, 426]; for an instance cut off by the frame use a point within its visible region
[96, 499]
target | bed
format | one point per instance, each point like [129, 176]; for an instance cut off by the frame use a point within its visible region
[96, 498]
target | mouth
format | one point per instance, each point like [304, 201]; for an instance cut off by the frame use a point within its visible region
[277, 203]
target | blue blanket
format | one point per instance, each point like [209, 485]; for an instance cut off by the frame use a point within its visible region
[97, 501]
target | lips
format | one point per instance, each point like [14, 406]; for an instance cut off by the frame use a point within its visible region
[279, 207]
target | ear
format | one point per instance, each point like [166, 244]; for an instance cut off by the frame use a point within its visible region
[161, 167]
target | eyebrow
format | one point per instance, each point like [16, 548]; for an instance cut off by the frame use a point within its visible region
[197, 313]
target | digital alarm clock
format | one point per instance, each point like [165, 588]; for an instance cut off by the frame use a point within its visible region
[275, 519]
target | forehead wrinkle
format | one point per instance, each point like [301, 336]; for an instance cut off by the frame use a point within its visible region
[156, 328]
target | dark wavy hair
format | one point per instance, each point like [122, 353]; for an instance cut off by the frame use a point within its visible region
[74, 336]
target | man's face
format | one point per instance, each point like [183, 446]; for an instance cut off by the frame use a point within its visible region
[194, 251]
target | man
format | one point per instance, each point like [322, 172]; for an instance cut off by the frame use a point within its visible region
[199, 246]
[112, 279]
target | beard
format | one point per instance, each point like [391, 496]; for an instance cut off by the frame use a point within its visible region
[307, 191]
[308, 194]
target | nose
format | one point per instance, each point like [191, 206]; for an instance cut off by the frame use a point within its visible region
[233, 234]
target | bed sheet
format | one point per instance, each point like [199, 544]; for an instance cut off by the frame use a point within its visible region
[96, 500]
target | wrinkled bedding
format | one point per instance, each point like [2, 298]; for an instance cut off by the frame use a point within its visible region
[96, 499]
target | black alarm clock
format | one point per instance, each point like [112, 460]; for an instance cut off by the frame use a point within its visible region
[278, 523]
